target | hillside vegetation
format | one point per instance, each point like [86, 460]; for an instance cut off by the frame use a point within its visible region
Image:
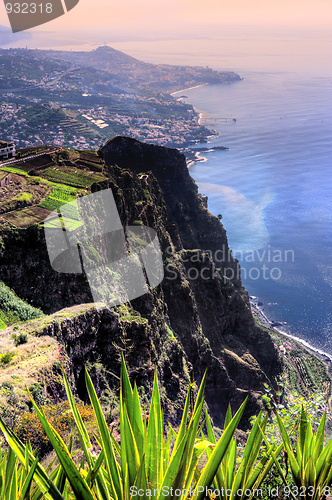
[13, 309]
[151, 462]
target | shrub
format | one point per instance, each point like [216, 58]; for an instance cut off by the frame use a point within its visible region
[8, 319]
[6, 357]
[14, 308]
[59, 415]
[21, 338]
[25, 197]
[145, 458]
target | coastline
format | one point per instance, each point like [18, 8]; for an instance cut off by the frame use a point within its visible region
[195, 157]
[284, 335]
[189, 88]
[192, 157]
[271, 324]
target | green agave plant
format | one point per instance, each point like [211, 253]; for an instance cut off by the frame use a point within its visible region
[311, 461]
[144, 465]
[244, 481]
[16, 480]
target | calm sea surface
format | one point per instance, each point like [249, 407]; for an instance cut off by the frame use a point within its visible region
[274, 190]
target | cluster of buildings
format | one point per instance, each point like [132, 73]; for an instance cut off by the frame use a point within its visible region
[11, 126]
[82, 143]
[7, 150]
[99, 123]
[152, 119]
[165, 132]
[156, 131]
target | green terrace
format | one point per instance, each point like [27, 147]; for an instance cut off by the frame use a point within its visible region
[75, 179]
[43, 184]
[5, 170]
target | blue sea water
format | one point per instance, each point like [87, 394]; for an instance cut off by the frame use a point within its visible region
[273, 186]
[274, 190]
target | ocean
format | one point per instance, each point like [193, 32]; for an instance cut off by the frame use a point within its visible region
[273, 187]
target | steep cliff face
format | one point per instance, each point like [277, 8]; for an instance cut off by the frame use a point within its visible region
[199, 317]
[197, 228]
[207, 307]
[97, 339]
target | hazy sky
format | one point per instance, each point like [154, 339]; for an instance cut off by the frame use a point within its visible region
[177, 15]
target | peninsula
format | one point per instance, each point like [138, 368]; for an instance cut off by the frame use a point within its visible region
[80, 99]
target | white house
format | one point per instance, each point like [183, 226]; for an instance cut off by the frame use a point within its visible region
[7, 150]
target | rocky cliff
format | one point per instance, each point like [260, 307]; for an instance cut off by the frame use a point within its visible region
[199, 317]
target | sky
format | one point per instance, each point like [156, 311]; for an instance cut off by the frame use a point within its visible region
[175, 15]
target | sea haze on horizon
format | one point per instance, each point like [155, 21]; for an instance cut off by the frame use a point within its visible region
[234, 48]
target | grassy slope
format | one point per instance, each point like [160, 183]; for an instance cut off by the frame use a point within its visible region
[31, 364]
[13, 309]
[35, 363]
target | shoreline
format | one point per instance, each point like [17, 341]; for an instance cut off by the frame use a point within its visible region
[198, 158]
[193, 155]
[189, 88]
[270, 324]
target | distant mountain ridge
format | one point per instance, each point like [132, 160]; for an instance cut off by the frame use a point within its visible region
[7, 36]
[96, 56]
[162, 77]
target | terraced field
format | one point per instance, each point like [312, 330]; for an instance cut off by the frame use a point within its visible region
[27, 216]
[305, 372]
[59, 196]
[78, 179]
[42, 184]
